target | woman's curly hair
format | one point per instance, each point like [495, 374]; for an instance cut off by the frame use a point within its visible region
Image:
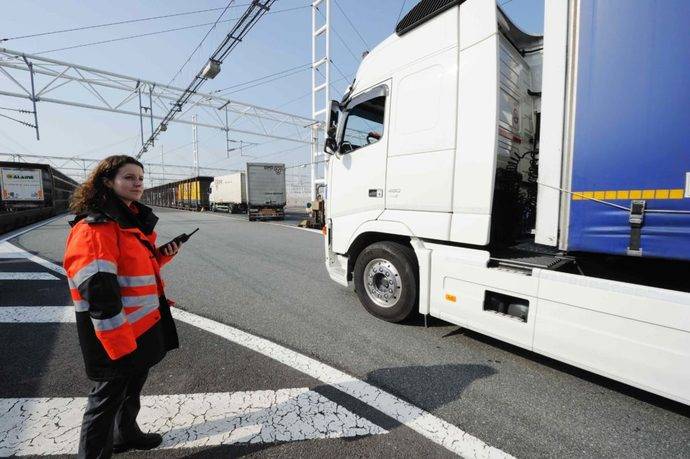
[93, 192]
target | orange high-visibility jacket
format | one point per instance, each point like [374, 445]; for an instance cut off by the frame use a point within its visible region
[113, 271]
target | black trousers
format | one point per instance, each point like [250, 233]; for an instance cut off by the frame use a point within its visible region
[111, 415]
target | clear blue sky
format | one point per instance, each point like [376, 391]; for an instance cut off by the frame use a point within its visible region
[279, 41]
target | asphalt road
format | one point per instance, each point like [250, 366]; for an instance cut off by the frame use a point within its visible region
[43, 378]
[269, 280]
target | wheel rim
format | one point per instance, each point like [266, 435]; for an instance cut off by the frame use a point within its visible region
[382, 283]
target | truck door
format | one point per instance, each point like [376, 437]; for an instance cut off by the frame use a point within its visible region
[358, 171]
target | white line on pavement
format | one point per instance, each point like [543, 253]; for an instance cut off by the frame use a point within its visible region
[422, 422]
[51, 425]
[37, 314]
[20, 231]
[295, 227]
[26, 276]
[8, 250]
[285, 225]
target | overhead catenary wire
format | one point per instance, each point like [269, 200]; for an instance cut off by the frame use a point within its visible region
[18, 121]
[284, 104]
[110, 24]
[96, 160]
[17, 110]
[201, 42]
[291, 101]
[236, 34]
[240, 86]
[127, 139]
[269, 81]
[298, 67]
[249, 147]
[270, 154]
[366, 45]
[342, 74]
[127, 37]
[159, 32]
[178, 149]
[402, 7]
[11, 139]
[342, 40]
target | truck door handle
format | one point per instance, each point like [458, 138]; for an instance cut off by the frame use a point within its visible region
[375, 193]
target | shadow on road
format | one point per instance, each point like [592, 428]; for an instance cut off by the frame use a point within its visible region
[426, 387]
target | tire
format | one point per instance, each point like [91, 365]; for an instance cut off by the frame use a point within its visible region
[387, 268]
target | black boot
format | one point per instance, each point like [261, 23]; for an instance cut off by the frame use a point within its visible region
[141, 441]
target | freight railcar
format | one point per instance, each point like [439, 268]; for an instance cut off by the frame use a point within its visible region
[31, 192]
[189, 194]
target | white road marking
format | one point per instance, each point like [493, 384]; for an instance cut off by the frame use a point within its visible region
[8, 250]
[27, 276]
[285, 225]
[295, 227]
[20, 231]
[426, 424]
[52, 425]
[37, 314]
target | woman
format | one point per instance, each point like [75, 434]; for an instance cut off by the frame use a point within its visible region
[123, 319]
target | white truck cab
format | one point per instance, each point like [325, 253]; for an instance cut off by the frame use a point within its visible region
[434, 190]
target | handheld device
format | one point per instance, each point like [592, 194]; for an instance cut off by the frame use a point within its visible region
[179, 240]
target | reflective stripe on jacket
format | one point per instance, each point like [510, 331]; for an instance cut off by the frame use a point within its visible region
[115, 283]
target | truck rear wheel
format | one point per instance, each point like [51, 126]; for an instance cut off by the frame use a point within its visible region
[385, 278]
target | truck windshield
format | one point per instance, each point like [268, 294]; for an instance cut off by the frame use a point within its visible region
[364, 124]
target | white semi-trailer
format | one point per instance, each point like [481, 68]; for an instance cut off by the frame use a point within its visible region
[533, 189]
[266, 193]
[229, 193]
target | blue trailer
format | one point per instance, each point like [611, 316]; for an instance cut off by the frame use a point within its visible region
[630, 167]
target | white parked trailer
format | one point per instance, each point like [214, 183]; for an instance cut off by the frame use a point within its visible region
[229, 193]
[266, 193]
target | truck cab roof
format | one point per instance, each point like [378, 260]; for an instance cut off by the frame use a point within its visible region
[423, 31]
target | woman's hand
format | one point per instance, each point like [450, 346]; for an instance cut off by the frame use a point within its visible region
[169, 250]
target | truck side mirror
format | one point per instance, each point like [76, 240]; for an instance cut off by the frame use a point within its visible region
[331, 144]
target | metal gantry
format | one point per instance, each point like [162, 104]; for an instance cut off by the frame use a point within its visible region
[195, 148]
[320, 83]
[254, 12]
[64, 83]
[78, 167]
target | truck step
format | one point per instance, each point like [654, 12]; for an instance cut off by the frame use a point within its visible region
[532, 261]
[527, 256]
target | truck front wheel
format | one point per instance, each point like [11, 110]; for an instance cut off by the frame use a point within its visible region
[385, 278]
